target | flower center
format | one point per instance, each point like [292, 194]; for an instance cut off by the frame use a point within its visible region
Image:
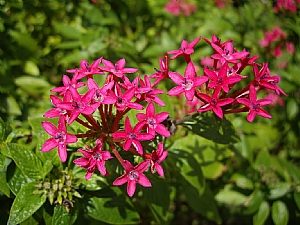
[227, 54]
[133, 175]
[187, 84]
[78, 105]
[131, 136]
[98, 97]
[214, 102]
[60, 137]
[97, 156]
[220, 80]
[151, 122]
[254, 105]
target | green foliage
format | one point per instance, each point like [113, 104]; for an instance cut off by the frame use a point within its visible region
[221, 171]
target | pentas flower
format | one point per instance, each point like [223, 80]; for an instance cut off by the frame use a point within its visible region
[227, 53]
[186, 49]
[214, 103]
[255, 105]
[57, 112]
[67, 83]
[150, 93]
[93, 159]
[103, 95]
[216, 41]
[60, 138]
[132, 136]
[123, 100]
[220, 79]
[117, 69]
[87, 70]
[188, 83]
[156, 157]
[133, 175]
[163, 72]
[79, 104]
[153, 121]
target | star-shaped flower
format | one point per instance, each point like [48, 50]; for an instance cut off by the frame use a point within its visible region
[188, 83]
[156, 158]
[60, 138]
[93, 159]
[133, 175]
[67, 83]
[117, 69]
[255, 105]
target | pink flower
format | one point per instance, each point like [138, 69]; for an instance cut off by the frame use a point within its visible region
[163, 72]
[276, 99]
[132, 136]
[87, 70]
[153, 121]
[227, 53]
[150, 93]
[156, 158]
[103, 95]
[57, 112]
[124, 100]
[117, 69]
[94, 159]
[133, 175]
[79, 104]
[255, 105]
[186, 49]
[59, 139]
[220, 79]
[214, 103]
[67, 83]
[180, 6]
[188, 83]
[290, 47]
[288, 5]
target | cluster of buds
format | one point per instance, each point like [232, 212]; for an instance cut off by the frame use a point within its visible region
[60, 189]
[102, 109]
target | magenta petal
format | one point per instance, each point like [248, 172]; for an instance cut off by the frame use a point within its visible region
[159, 169]
[251, 116]
[120, 180]
[120, 64]
[150, 110]
[49, 128]
[108, 64]
[119, 134]
[218, 111]
[244, 101]
[143, 166]
[131, 186]
[49, 145]
[52, 113]
[162, 116]
[88, 175]
[176, 91]
[163, 156]
[134, 105]
[127, 144]
[162, 130]
[190, 72]
[189, 94]
[73, 116]
[176, 78]
[141, 116]
[129, 70]
[198, 81]
[92, 84]
[144, 181]
[71, 138]
[127, 125]
[144, 136]
[62, 152]
[194, 42]
[225, 101]
[263, 113]
[101, 168]
[83, 162]
[137, 145]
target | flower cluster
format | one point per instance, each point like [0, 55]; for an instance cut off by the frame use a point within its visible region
[177, 7]
[102, 110]
[286, 5]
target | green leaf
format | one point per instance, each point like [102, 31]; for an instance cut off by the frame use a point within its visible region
[297, 198]
[212, 170]
[32, 84]
[253, 202]
[31, 68]
[3, 185]
[293, 170]
[2, 130]
[66, 30]
[158, 199]
[242, 181]
[30, 221]
[27, 161]
[208, 126]
[25, 40]
[112, 206]
[13, 106]
[16, 179]
[25, 204]
[203, 204]
[279, 190]
[262, 214]
[280, 213]
[60, 216]
[230, 197]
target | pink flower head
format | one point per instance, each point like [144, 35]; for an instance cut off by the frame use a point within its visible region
[117, 69]
[103, 95]
[59, 139]
[156, 158]
[87, 70]
[220, 79]
[67, 83]
[123, 100]
[186, 49]
[287, 5]
[133, 175]
[150, 93]
[132, 136]
[153, 121]
[290, 47]
[93, 159]
[57, 112]
[255, 105]
[214, 103]
[176, 7]
[79, 104]
[227, 53]
[188, 83]
[163, 72]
